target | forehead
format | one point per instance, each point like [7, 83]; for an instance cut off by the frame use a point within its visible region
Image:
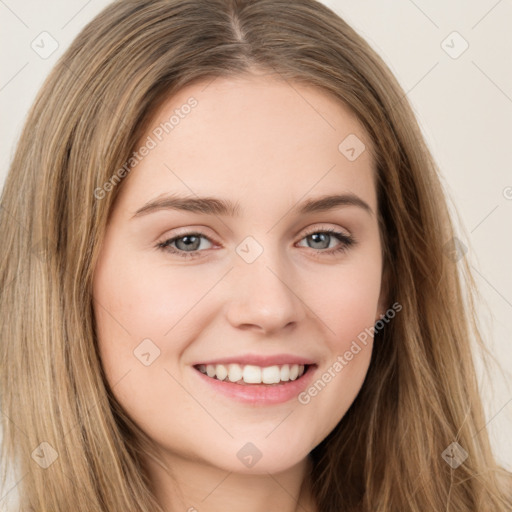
[255, 137]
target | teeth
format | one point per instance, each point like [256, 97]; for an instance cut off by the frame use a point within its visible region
[234, 373]
[250, 374]
[294, 372]
[271, 375]
[221, 372]
[285, 372]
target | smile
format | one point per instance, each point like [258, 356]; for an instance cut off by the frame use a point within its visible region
[252, 374]
[255, 385]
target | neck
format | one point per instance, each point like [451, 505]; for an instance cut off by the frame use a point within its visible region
[193, 486]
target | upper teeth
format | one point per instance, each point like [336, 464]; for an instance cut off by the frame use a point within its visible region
[251, 374]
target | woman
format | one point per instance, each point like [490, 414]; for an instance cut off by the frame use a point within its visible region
[170, 344]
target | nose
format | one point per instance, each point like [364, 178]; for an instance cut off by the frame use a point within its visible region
[263, 297]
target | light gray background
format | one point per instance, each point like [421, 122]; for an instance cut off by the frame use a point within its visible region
[463, 104]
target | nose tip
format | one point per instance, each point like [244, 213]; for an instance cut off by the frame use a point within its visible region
[263, 299]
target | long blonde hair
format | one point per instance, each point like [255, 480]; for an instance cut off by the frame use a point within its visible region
[420, 393]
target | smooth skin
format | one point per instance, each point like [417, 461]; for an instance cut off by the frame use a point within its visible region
[268, 145]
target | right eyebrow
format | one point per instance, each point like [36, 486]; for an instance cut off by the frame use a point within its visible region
[204, 205]
[219, 206]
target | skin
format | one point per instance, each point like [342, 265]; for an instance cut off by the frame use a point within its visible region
[269, 146]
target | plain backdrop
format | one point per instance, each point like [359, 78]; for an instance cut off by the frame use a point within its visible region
[454, 61]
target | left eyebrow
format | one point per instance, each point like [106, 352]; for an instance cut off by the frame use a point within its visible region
[331, 202]
[219, 206]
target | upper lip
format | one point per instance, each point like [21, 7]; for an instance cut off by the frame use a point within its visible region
[260, 360]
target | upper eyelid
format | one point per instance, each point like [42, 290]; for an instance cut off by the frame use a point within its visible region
[307, 231]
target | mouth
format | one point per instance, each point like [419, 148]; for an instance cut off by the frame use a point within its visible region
[252, 375]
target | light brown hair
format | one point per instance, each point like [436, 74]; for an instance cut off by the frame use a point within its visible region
[420, 394]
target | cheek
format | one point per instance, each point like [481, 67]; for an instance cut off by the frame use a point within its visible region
[142, 314]
[134, 301]
[146, 315]
[348, 301]
[347, 305]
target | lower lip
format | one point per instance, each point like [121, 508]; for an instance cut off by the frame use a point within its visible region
[260, 394]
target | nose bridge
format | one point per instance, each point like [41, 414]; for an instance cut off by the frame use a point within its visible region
[262, 293]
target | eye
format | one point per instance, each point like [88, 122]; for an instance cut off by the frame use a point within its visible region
[321, 240]
[187, 245]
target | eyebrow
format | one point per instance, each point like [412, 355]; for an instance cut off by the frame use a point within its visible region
[218, 206]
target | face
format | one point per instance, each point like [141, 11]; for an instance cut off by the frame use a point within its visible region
[276, 282]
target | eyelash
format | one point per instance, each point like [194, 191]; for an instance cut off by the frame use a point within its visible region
[346, 242]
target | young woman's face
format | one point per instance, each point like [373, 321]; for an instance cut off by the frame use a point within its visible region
[186, 282]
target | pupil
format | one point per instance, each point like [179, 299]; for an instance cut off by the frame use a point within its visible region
[188, 241]
[315, 237]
